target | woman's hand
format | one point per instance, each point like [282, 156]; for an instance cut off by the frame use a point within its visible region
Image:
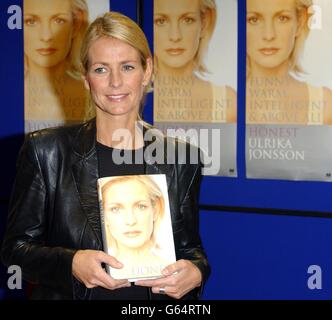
[86, 267]
[179, 278]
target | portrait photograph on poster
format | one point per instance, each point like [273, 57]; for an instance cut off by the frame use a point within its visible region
[288, 90]
[195, 81]
[54, 93]
[136, 225]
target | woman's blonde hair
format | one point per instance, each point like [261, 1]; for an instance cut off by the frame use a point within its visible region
[81, 19]
[302, 8]
[80, 14]
[118, 26]
[155, 196]
[207, 7]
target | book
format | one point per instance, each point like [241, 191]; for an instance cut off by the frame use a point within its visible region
[136, 225]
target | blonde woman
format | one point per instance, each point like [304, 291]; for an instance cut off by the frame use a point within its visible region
[53, 31]
[133, 208]
[182, 30]
[276, 32]
[54, 230]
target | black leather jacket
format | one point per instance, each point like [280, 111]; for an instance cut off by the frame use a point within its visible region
[54, 209]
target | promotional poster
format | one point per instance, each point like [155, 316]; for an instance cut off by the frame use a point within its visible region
[195, 53]
[54, 93]
[288, 91]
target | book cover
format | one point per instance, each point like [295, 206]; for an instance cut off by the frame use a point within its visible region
[136, 225]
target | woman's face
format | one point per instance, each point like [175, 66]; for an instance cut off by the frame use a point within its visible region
[272, 28]
[115, 77]
[48, 31]
[129, 212]
[177, 31]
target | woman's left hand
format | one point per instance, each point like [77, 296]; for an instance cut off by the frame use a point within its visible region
[179, 278]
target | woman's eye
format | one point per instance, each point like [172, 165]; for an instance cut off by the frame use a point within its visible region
[141, 207]
[128, 67]
[253, 20]
[283, 18]
[188, 20]
[114, 209]
[59, 21]
[30, 22]
[100, 70]
[160, 21]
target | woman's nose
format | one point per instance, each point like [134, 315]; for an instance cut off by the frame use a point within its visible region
[175, 32]
[269, 30]
[130, 217]
[115, 79]
[46, 33]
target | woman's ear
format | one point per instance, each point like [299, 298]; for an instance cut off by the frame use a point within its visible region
[302, 19]
[86, 82]
[206, 17]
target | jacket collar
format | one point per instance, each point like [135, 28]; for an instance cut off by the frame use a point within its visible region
[85, 141]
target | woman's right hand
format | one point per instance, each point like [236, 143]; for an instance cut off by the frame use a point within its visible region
[86, 267]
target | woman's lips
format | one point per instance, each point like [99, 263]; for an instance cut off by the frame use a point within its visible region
[175, 51]
[117, 97]
[269, 51]
[46, 51]
[132, 234]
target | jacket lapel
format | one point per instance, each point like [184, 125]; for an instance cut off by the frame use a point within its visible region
[85, 174]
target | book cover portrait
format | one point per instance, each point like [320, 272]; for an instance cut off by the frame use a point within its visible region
[136, 224]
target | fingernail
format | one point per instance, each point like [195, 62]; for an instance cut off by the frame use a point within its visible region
[165, 272]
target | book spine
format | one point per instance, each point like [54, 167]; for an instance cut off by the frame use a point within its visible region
[103, 230]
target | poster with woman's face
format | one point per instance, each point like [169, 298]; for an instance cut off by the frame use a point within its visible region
[288, 90]
[54, 93]
[195, 56]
